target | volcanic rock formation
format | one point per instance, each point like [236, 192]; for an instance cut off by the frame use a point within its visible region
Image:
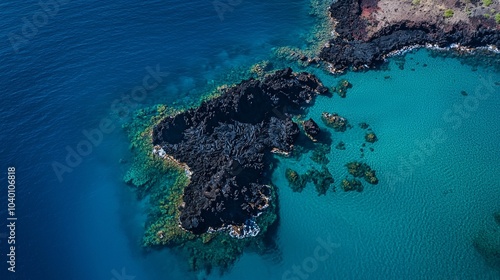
[226, 143]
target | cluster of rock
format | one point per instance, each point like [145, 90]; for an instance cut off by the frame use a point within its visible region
[225, 143]
[362, 170]
[352, 185]
[322, 179]
[370, 137]
[320, 152]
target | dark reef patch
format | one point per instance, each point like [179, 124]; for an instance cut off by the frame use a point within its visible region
[319, 154]
[322, 180]
[487, 242]
[351, 185]
[340, 146]
[226, 143]
[371, 137]
[341, 88]
[333, 120]
[297, 182]
[358, 169]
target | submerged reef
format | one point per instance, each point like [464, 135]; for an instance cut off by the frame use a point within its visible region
[487, 243]
[297, 182]
[358, 169]
[320, 33]
[261, 68]
[370, 30]
[371, 137]
[352, 185]
[340, 146]
[322, 180]
[225, 144]
[335, 121]
[363, 125]
[319, 154]
[341, 88]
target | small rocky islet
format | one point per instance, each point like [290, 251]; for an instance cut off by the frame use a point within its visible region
[221, 152]
[335, 121]
[207, 168]
[226, 143]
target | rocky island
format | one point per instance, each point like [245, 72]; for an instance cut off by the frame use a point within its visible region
[225, 142]
[224, 200]
[208, 173]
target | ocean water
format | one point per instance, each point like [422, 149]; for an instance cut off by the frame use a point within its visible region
[67, 74]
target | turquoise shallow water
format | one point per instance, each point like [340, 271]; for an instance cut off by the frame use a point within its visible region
[420, 226]
[89, 226]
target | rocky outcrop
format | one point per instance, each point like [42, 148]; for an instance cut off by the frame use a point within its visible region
[311, 129]
[358, 169]
[333, 120]
[226, 142]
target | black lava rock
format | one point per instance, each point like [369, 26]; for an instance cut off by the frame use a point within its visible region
[311, 128]
[353, 48]
[225, 142]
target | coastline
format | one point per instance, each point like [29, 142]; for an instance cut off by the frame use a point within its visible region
[367, 50]
[366, 34]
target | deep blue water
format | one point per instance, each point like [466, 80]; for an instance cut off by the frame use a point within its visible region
[65, 79]
[88, 225]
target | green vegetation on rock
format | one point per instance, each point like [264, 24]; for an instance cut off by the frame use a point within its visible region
[371, 137]
[358, 169]
[487, 3]
[351, 185]
[297, 182]
[448, 13]
[341, 88]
